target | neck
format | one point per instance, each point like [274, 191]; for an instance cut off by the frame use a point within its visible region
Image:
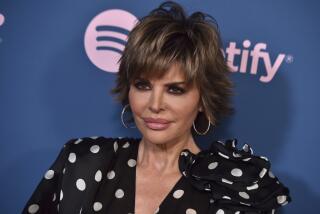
[163, 158]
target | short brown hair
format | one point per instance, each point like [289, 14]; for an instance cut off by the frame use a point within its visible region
[167, 36]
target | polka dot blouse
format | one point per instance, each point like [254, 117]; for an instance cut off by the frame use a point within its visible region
[97, 175]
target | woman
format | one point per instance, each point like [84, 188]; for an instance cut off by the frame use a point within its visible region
[172, 74]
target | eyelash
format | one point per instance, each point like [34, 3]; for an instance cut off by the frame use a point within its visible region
[177, 90]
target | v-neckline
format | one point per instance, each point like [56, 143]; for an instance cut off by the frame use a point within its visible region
[162, 203]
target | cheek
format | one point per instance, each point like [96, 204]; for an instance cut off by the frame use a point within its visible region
[190, 101]
[187, 107]
[187, 111]
[136, 101]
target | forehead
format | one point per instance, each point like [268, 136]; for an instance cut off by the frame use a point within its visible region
[174, 73]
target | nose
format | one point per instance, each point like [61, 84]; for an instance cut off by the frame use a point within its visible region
[156, 101]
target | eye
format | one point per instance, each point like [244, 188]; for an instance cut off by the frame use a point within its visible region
[145, 85]
[176, 90]
[140, 85]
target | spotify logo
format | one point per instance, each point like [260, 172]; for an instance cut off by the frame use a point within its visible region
[1, 19]
[106, 37]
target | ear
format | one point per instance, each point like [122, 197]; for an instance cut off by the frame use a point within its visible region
[200, 108]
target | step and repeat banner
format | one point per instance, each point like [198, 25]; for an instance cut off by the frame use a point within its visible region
[58, 62]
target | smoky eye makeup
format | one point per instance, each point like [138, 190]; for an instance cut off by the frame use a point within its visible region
[141, 84]
[176, 89]
[173, 88]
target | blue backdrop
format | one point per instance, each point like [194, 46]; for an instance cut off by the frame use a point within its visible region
[54, 86]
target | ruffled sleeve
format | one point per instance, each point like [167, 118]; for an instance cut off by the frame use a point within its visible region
[46, 196]
[237, 180]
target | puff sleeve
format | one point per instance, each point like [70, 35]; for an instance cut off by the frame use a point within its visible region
[238, 181]
[46, 196]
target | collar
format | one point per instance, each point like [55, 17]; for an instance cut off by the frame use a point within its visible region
[235, 179]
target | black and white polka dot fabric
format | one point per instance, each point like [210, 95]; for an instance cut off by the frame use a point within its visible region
[97, 175]
[237, 180]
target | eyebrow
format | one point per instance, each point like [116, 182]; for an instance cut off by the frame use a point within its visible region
[174, 83]
[167, 84]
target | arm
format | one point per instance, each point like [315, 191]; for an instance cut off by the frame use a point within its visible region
[46, 196]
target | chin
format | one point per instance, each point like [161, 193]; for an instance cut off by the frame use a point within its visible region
[156, 137]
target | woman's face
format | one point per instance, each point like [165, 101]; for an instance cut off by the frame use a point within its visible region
[173, 103]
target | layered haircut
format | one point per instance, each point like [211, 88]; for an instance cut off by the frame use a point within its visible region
[167, 36]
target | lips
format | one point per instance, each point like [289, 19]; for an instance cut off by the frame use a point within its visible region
[156, 123]
[155, 120]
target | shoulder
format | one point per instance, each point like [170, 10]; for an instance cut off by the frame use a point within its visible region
[235, 177]
[95, 144]
[94, 150]
[81, 162]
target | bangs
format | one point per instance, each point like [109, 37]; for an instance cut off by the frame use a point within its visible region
[157, 52]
